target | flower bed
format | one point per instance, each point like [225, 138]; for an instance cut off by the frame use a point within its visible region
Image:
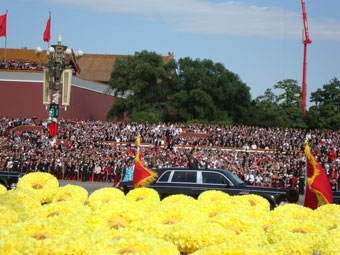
[42, 218]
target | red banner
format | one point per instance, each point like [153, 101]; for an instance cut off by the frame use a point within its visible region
[47, 33]
[53, 129]
[3, 25]
[318, 189]
[142, 176]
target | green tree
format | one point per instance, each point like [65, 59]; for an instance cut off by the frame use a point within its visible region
[209, 92]
[282, 110]
[141, 84]
[325, 114]
[290, 103]
[266, 112]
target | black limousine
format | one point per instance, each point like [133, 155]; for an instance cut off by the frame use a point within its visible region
[193, 182]
[10, 178]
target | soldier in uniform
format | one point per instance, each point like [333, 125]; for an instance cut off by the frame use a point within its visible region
[85, 167]
[193, 162]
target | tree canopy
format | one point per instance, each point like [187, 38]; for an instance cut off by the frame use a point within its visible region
[325, 114]
[184, 91]
[149, 89]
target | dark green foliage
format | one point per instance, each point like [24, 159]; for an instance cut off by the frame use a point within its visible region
[143, 117]
[325, 114]
[201, 91]
[283, 110]
[143, 82]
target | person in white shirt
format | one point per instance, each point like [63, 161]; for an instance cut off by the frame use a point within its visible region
[258, 180]
[251, 178]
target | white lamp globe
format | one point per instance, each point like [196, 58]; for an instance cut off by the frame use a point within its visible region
[51, 50]
[80, 53]
[38, 50]
[68, 52]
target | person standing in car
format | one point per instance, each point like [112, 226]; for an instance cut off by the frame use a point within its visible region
[193, 162]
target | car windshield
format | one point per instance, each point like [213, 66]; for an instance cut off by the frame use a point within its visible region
[237, 181]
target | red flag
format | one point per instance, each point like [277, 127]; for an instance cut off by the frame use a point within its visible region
[142, 176]
[47, 33]
[318, 189]
[3, 25]
[130, 153]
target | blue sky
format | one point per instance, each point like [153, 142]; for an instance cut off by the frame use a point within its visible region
[260, 40]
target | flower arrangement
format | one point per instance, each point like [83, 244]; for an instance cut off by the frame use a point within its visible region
[42, 218]
[3, 189]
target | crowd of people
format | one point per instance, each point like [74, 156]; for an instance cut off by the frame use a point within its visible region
[104, 151]
[20, 65]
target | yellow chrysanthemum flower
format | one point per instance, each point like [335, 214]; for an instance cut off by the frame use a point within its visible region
[213, 195]
[189, 238]
[248, 229]
[58, 208]
[232, 248]
[293, 211]
[27, 198]
[13, 243]
[73, 220]
[14, 204]
[158, 221]
[51, 238]
[252, 201]
[101, 196]
[328, 215]
[44, 185]
[137, 211]
[296, 246]
[327, 209]
[3, 189]
[330, 244]
[7, 216]
[101, 239]
[213, 208]
[140, 194]
[175, 199]
[111, 215]
[286, 229]
[71, 193]
[100, 236]
[138, 244]
[267, 220]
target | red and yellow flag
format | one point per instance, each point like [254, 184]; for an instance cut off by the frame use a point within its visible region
[142, 176]
[318, 189]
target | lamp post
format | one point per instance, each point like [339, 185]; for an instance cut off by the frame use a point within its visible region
[57, 73]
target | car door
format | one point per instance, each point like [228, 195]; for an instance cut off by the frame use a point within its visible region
[176, 182]
[210, 180]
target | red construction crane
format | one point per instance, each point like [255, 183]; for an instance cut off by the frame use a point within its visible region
[305, 41]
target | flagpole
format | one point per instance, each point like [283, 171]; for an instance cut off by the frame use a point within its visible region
[305, 181]
[306, 162]
[6, 42]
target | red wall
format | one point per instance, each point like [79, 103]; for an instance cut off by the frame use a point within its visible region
[24, 99]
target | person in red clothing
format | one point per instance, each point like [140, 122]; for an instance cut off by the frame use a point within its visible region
[103, 171]
[109, 171]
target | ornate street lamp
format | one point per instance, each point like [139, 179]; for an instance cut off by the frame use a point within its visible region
[57, 73]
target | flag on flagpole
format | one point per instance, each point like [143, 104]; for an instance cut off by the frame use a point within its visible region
[142, 176]
[47, 33]
[318, 189]
[3, 25]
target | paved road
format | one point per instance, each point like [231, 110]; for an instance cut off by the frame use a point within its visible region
[92, 186]
[89, 186]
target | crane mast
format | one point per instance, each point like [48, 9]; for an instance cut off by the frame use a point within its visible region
[305, 40]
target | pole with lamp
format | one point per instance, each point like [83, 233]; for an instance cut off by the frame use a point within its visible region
[57, 82]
